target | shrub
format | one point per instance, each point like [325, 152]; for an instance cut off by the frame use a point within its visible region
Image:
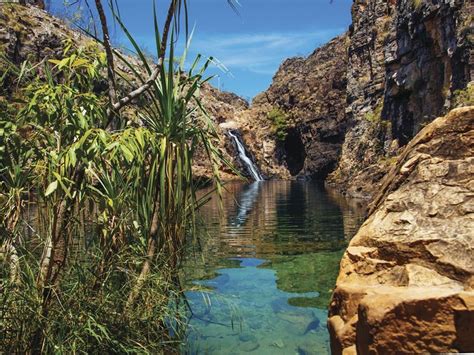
[280, 123]
[102, 278]
[464, 97]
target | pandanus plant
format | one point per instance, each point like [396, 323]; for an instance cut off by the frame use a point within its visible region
[176, 126]
[137, 175]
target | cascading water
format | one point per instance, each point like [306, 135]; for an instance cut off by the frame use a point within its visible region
[252, 168]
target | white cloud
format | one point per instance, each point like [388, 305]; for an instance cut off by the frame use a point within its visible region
[260, 53]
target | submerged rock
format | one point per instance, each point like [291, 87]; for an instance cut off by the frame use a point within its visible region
[279, 344]
[406, 281]
[247, 337]
[249, 346]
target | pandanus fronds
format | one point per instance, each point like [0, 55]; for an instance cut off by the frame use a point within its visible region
[177, 125]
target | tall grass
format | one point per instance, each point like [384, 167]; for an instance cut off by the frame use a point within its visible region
[92, 266]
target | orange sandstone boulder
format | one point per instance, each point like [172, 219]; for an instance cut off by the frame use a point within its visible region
[406, 282]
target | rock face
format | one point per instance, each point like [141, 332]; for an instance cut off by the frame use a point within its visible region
[406, 61]
[354, 102]
[30, 33]
[406, 281]
[222, 107]
[311, 92]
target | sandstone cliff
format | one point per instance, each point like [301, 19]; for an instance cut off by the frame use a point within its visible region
[407, 59]
[407, 278]
[354, 102]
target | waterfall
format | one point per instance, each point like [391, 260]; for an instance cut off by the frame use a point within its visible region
[252, 168]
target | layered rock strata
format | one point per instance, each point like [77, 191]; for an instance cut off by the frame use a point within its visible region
[406, 282]
[309, 95]
[407, 60]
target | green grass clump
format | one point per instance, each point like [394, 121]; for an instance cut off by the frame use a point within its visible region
[417, 4]
[464, 97]
[375, 115]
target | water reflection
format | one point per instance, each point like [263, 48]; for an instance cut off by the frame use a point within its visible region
[267, 264]
[245, 204]
[277, 218]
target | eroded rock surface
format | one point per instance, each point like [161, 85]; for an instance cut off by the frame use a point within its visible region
[406, 282]
[310, 93]
[407, 60]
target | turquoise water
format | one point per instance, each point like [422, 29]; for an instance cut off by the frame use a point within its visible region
[268, 261]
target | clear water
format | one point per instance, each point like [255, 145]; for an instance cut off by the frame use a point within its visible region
[269, 259]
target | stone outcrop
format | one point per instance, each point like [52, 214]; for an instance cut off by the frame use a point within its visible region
[406, 282]
[310, 94]
[407, 59]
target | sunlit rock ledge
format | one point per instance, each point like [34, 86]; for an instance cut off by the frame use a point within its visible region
[406, 282]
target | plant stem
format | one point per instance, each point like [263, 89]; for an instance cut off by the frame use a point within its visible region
[108, 52]
[154, 75]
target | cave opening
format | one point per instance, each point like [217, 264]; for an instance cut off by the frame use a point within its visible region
[294, 151]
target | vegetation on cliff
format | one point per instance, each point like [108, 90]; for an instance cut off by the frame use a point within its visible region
[280, 123]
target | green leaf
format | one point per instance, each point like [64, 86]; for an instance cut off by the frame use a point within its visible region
[127, 153]
[79, 61]
[54, 61]
[72, 157]
[51, 188]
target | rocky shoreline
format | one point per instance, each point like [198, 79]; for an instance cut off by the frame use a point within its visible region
[407, 278]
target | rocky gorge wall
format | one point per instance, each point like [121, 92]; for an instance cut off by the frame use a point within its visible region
[407, 59]
[351, 105]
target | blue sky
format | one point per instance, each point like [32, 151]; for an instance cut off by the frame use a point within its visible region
[252, 44]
